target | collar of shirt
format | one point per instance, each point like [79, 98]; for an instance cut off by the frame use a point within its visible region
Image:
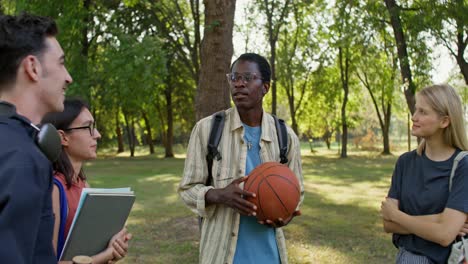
[7, 109]
[267, 128]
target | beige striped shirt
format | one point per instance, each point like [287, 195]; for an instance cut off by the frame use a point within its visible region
[221, 223]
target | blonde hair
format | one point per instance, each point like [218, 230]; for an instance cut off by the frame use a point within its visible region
[443, 99]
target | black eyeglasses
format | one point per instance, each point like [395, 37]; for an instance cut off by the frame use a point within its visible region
[245, 77]
[91, 127]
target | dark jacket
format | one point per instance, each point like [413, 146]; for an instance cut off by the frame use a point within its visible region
[26, 216]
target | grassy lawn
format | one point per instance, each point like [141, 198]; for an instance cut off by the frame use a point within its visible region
[340, 220]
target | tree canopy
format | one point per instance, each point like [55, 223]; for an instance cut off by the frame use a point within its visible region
[150, 69]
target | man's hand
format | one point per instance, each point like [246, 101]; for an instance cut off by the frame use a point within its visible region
[280, 221]
[234, 197]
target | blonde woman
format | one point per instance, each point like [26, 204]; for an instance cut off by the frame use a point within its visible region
[424, 217]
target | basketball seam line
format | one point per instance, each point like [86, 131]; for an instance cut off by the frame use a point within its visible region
[281, 201]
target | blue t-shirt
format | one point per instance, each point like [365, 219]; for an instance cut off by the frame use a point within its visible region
[256, 243]
[421, 186]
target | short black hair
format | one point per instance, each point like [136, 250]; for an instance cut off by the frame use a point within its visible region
[62, 121]
[262, 63]
[21, 36]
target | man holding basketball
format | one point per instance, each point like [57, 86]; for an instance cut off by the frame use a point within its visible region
[230, 233]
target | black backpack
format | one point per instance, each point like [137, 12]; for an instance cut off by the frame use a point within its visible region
[216, 132]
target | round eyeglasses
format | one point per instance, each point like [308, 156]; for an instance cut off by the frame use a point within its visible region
[245, 77]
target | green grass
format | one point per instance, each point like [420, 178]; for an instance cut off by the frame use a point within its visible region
[340, 220]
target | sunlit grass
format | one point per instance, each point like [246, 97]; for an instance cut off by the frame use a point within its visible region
[340, 220]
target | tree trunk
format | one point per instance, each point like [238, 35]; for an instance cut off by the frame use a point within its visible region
[290, 83]
[195, 54]
[344, 135]
[273, 75]
[462, 63]
[386, 130]
[292, 110]
[169, 153]
[149, 134]
[134, 139]
[410, 89]
[130, 136]
[327, 138]
[162, 122]
[344, 74]
[215, 53]
[167, 134]
[328, 143]
[85, 48]
[338, 139]
[294, 125]
[273, 29]
[118, 131]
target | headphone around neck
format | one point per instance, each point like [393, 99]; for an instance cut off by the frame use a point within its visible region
[46, 137]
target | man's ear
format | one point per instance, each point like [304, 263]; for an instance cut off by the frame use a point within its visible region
[32, 67]
[63, 137]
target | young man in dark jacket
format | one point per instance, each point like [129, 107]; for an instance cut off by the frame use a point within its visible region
[33, 80]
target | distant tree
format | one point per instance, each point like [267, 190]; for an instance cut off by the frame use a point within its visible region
[323, 116]
[379, 80]
[133, 71]
[177, 24]
[448, 22]
[276, 12]
[172, 102]
[297, 56]
[346, 37]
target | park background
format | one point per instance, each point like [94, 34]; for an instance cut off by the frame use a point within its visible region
[344, 78]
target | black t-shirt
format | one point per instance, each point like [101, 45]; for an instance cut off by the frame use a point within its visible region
[422, 188]
[26, 216]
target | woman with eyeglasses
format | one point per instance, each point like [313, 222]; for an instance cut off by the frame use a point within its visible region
[79, 137]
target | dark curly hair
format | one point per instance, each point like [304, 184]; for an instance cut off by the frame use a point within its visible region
[262, 63]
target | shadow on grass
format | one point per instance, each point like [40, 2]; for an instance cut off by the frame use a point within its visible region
[165, 231]
[326, 228]
[369, 168]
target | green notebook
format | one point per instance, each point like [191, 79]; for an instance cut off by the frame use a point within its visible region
[100, 215]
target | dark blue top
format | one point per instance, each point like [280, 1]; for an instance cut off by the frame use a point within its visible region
[26, 216]
[421, 186]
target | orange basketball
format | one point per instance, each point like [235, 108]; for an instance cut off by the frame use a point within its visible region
[277, 191]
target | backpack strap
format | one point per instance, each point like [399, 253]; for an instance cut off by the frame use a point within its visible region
[63, 217]
[217, 125]
[282, 134]
[459, 157]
